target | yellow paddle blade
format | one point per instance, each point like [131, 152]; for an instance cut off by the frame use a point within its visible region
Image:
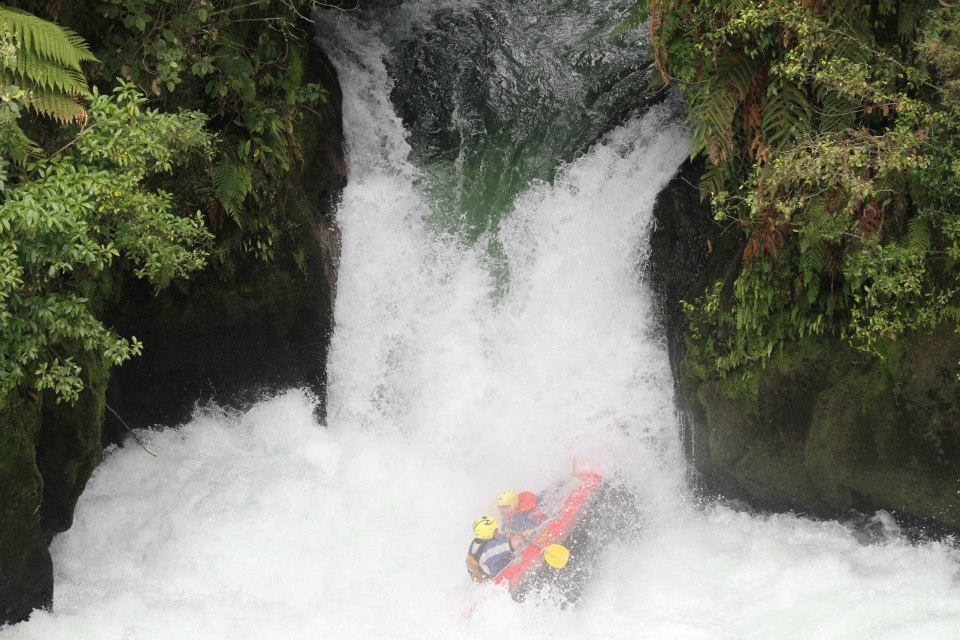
[556, 555]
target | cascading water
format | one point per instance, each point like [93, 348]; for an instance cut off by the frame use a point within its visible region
[475, 349]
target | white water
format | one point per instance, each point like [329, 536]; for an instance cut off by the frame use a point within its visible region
[269, 525]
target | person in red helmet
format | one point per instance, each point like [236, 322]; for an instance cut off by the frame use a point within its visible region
[528, 505]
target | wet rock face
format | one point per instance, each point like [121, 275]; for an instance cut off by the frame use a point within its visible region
[689, 251]
[26, 581]
[822, 428]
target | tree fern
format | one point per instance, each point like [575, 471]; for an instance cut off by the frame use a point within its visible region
[47, 65]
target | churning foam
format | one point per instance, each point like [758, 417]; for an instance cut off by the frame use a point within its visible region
[266, 524]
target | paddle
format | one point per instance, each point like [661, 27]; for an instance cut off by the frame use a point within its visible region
[555, 555]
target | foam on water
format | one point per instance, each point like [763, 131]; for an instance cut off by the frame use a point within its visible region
[442, 392]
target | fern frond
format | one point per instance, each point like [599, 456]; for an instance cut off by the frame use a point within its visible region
[917, 237]
[60, 107]
[232, 182]
[910, 17]
[836, 113]
[47, 65]
[734, 7]
[811, 260]
[46, 39]
[787, 115]
[812, 264]
[714, 111]
[715, 179]
[739, 73]
[34, 71]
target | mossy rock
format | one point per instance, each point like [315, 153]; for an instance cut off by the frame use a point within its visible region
[776, 475]
[729, 426]
[849, 420]
[69, 448]
[26, 571]
[820, 426]
[826, 428]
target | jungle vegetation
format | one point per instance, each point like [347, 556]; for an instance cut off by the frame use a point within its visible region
[152, 145]
[830, 133]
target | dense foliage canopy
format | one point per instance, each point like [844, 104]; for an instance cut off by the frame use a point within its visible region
[831, 136]
[242, 63]
[181, 154]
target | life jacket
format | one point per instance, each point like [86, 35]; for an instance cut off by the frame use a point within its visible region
[487, 558]
[520, 522]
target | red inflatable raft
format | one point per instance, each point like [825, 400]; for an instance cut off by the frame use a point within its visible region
[568, 503]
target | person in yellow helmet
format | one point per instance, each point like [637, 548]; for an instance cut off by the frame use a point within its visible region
[514, 519]
[491, 549]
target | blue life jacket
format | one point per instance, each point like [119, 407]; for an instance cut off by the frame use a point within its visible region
[520, 522]
[492, 555]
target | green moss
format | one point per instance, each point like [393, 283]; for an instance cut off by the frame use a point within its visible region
[728, 425]
[69, 446]
[845, 420]
[20, 481]
[831, 428]
[930, 392]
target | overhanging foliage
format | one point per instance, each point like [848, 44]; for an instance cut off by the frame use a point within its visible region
[831, 133]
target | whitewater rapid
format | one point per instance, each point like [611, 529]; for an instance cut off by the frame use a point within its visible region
[445, 387]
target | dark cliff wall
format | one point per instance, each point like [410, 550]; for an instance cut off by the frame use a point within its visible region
[689, 250]
[26, 573]
[267, 326]
[822, 428]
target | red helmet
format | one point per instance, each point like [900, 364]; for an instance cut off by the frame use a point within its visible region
[528, 501]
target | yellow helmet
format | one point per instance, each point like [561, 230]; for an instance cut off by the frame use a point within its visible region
[485, 527]
[508, 499]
